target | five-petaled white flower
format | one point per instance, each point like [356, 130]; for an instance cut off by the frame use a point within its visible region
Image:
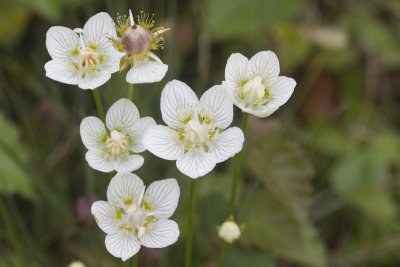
[114, 149]
[83, 57]
[197, 135]
[255, 85]
[137, 41]
[133, 217]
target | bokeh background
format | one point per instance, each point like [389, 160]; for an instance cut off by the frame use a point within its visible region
[321, 180]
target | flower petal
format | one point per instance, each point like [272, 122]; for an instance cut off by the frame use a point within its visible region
[104, 215]
[178, 103]
[94, 79]
[111, 61]
[122, 245]
[128, 163]
[97, 29]
[236, 70]
[146, 71]
[281, 91]
[217, 104]
[61, 71]
[160, 234]
[122, 116]
[123, 187]
[92, 131]
[138, 132]
[265, 64]
[162, 198]
[99, 160]
[196, 163]
[261, 112]
[163, 142]
[227, 144]
[60, 42]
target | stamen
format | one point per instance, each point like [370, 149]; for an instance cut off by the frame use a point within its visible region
[145, 20]
[79, 31]
[141, 195]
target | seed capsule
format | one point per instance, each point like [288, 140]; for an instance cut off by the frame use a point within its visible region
[136, 39]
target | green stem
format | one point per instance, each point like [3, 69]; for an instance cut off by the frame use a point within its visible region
[99, 103]
[237, 170]
[130, 91]
[136, 261]
[189, 237]
[222, 254]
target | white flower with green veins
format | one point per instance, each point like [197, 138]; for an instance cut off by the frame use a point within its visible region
[197, 135]
[116, 147]
[133, 216]
[83, 57]
[255, 84]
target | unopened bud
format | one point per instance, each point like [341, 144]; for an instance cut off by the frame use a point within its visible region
[136, 39]
[76, 264]
[229, 231]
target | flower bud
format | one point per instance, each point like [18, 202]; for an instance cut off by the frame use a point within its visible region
[136, 39]
[76, 264]
[229, 231]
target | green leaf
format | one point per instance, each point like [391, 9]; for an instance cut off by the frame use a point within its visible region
[362, 179]
[14, 178]
[243, 18]
[277, 217]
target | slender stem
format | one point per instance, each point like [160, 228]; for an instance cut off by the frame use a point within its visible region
[136, 261]
[237, 170]
[131, 91]
[222, 253]
[99, 103]
[189, 237]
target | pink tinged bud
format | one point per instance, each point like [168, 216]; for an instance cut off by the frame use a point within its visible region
[136, 39]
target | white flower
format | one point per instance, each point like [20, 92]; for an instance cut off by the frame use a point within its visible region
[255, 85]
[114, 148]
[197, 135]
[137, 41]
[133, 217]
[76, 264]
[229, 231]
[83, 57]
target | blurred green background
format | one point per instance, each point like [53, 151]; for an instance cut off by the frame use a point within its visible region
[322, 176]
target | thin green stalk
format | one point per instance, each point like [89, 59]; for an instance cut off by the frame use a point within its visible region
[131, 91]
[189, 236]
[99, 103]
[237, 170]
[136, 261]
[222, 253]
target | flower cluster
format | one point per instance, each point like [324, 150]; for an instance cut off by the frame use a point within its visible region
[197, 133]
